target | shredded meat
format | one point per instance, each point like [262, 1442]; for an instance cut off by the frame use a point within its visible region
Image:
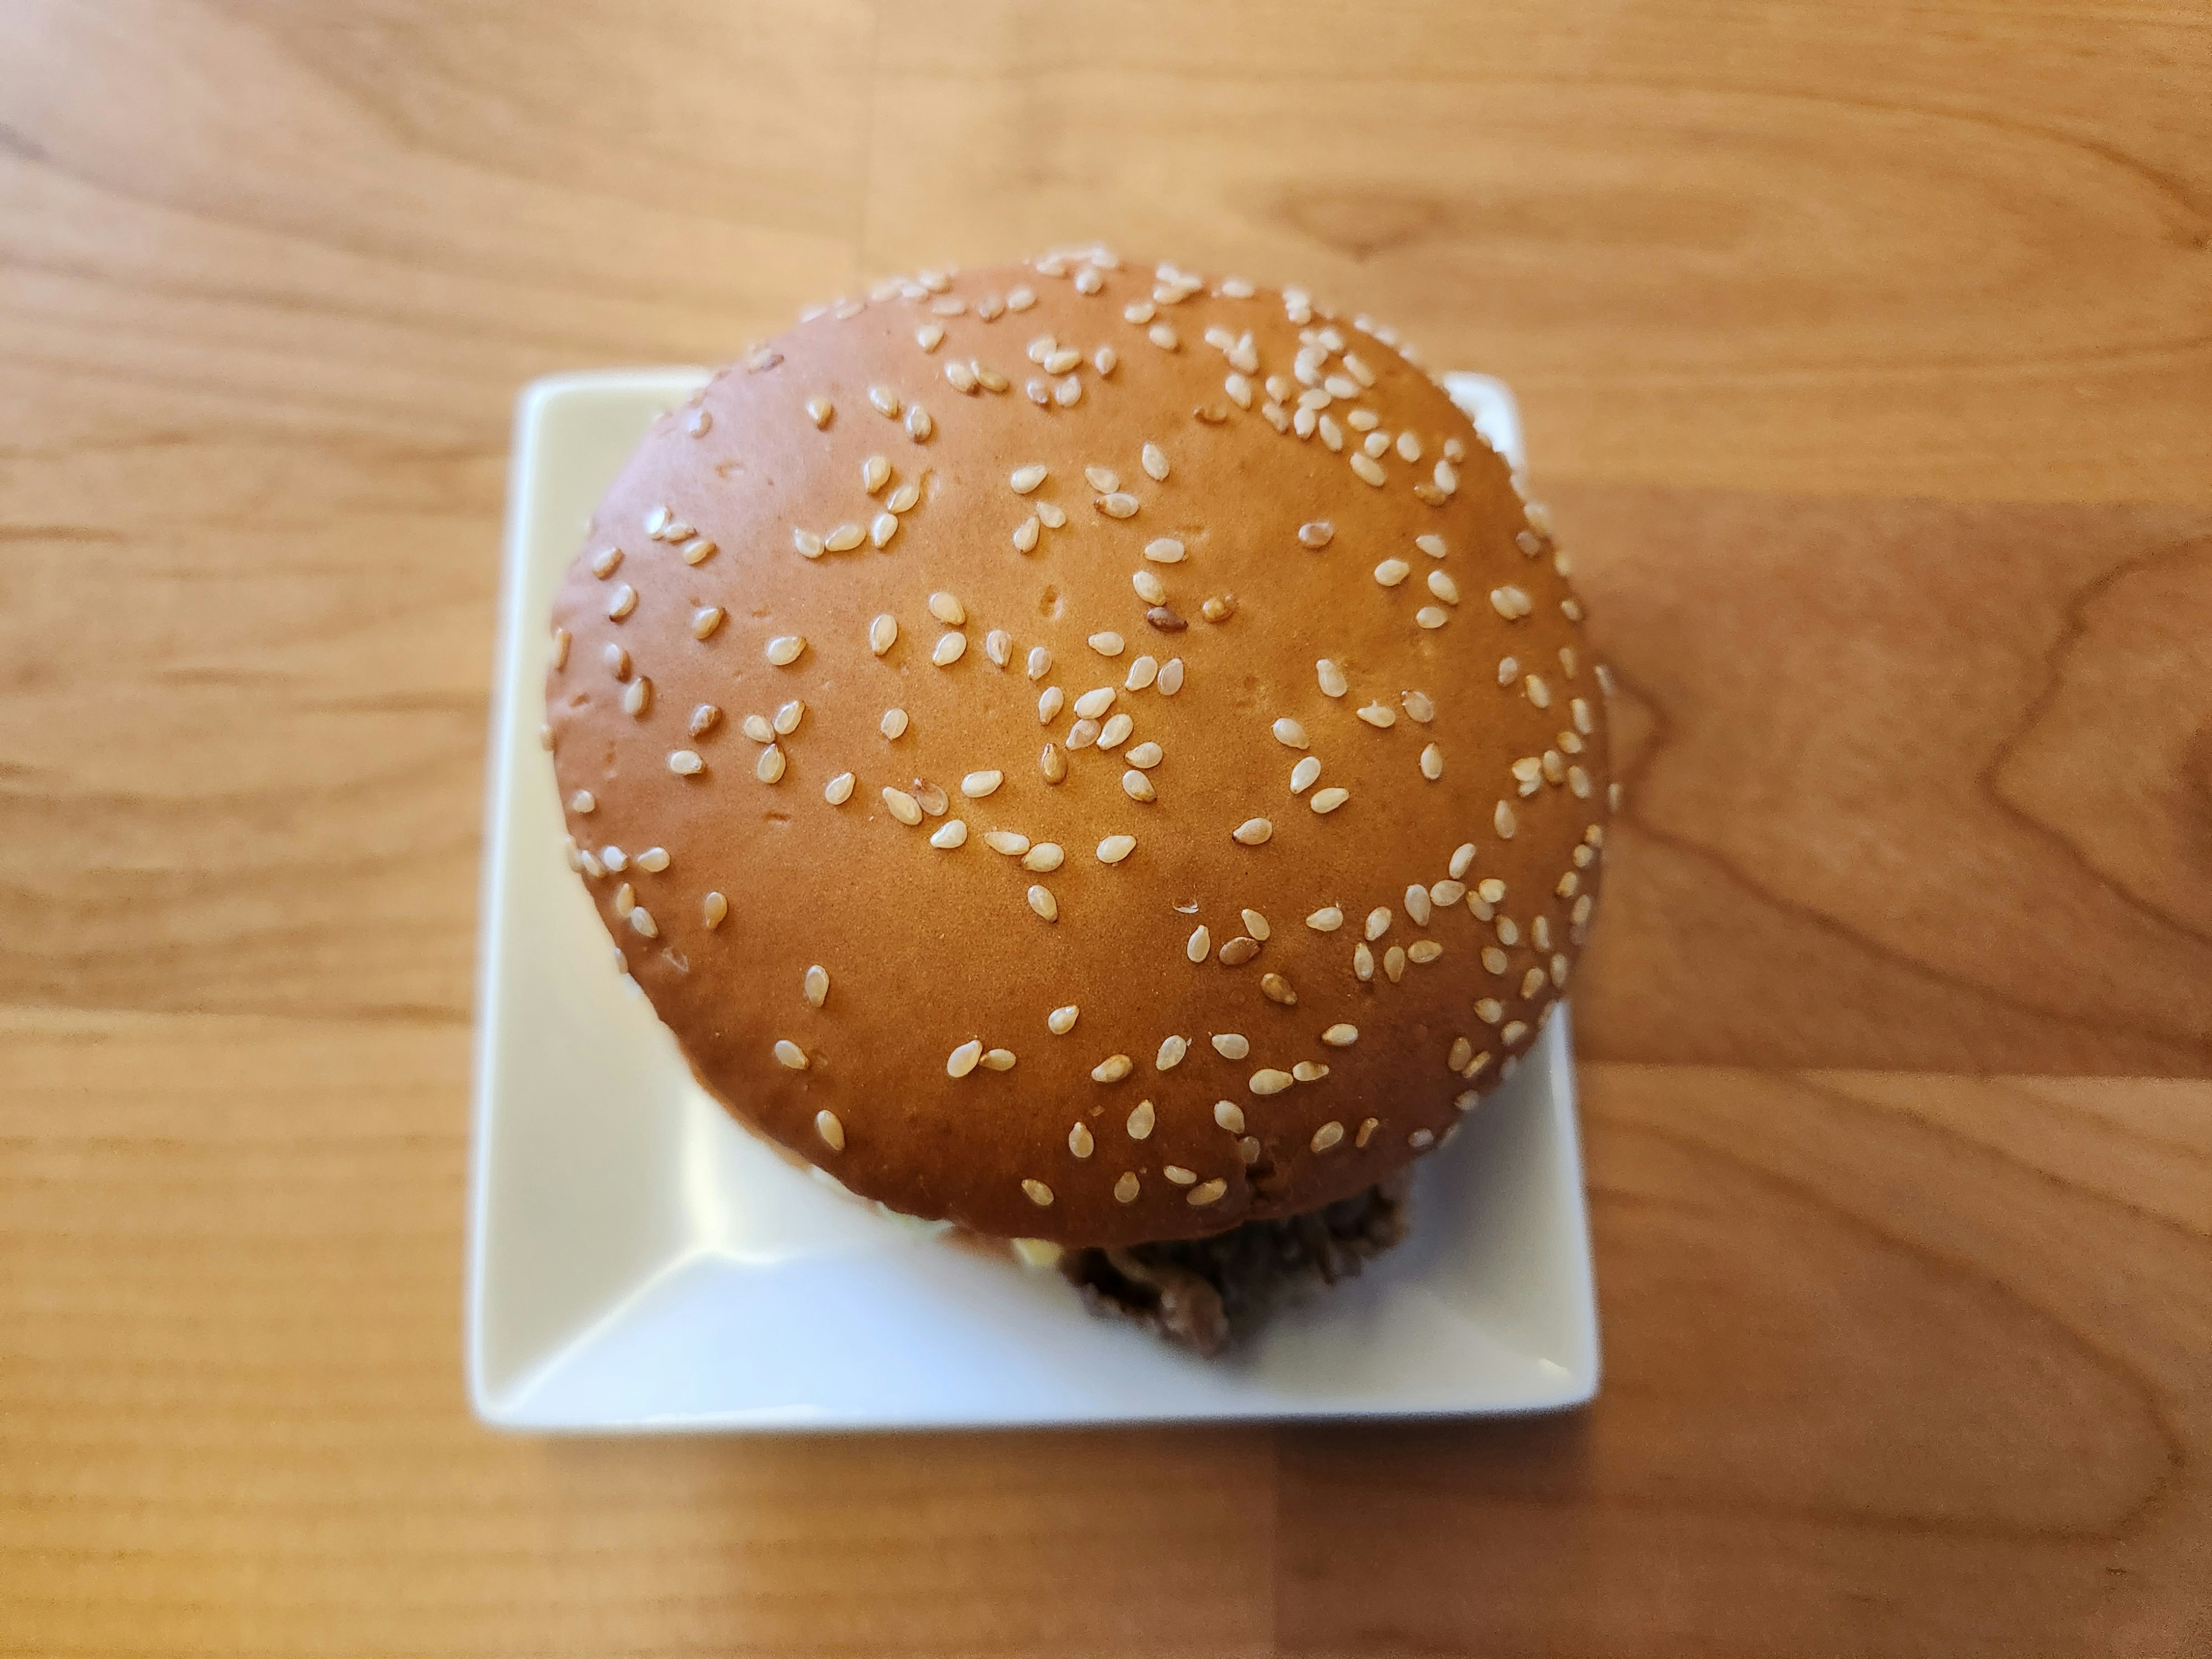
[1206, 1292]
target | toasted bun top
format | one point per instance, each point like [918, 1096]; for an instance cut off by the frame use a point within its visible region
[1089, 753]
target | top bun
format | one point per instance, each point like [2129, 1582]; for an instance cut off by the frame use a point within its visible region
[1091, 753]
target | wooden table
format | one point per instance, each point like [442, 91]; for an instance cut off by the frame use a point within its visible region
[1864, 353]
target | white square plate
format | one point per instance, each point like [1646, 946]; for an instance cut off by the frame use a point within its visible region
[639, 1261]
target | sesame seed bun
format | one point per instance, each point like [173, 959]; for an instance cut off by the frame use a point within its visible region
[1047, 772]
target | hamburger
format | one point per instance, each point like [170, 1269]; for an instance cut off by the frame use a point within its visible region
[1100, 756]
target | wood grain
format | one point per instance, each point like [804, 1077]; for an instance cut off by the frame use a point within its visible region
[1863, 352]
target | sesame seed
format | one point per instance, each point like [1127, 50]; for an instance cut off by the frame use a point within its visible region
[712, 909]
[1140, 1121]
[1391, 572]
[582, 801]
[884, 400]
[1268, 1081]
[1509, 931]
[1170, 679]
[1205, 1193]
[1432, 616]
[1290, 734]
[1164, 549]
[1044, 858]
[1107, 643]
[1020, 299]
[1613, 793]
[1230, 1116]
[832, 1132]
[1491, 891]
[1199, 945]
[1052, 763]
[604, 562]
[1369, 470]
[819, 409]
[654, 858]
[893, 724]
[1276, 989]
[622, 602]
[1104, 360]
[1504, 820]
[1539, 693]
[1304, 774]
[1327, 920]
[1331, 433]
[1120, 505]
[1308, 1071]
[902, 805]
[1139, 311]
[1539, 930]
[1253, 832]
[1126, 1188]
[1239, 950]
[1150, 588]
[1040, 1194]
[785, 648]
[1143, 671]
[1333, 683]
[976, 785]
[769, 767]
[686, 763]
[1114, 848]
[791, 1054]
[1104, 479]
[1231, 1045]
[1068, 392]
[1041, 902]
[809, 544]
[1116, 729]
[1181, 1176]
[930, 798]
[1050, 516]
[1509, 602]
[1582, 910]
[561, 642]
[1138, 786]
[1363, 963]
[1327, 801]
[1393, 964]
[1444, 587]
[1025, 479]
[1493, 959]
[1555, 767]
[948, 834]
[839, 789]
[1327, 1136]
[1079, 1140]
[881, 528]
[844, 538]
[949, 649]
[963, 1059]
[1163, 336]
[1316, 534]
[1060, 1021]
[1558, 969]
[637, 697]
[1423, 951]
[902, 499]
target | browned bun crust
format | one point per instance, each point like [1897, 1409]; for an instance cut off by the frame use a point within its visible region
[926, 948]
